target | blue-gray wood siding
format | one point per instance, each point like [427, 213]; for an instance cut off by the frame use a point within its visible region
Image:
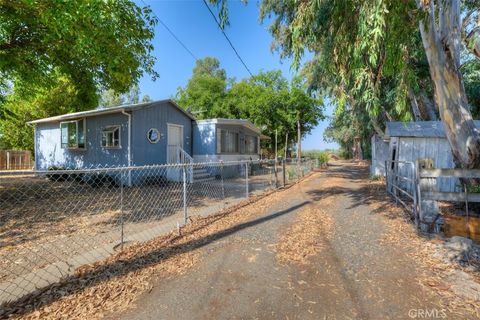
[205, 137]
[438, 149]
[157, 116]
[48, 150]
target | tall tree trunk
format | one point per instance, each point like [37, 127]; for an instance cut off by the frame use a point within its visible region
[441, 41]
[286, 145]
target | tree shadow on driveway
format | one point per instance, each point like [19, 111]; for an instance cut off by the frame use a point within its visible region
[120, 267]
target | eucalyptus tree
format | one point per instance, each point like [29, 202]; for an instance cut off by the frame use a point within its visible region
[445, 34]
[364, 45]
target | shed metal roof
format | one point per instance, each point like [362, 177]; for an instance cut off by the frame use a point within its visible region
[91, 113]
[418, 129]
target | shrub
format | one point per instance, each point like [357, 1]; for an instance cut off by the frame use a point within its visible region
[60, 177]
[97, 180]
[321, 156]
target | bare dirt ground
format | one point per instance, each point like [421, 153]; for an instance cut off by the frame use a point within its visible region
[331, 247]
[43, 222]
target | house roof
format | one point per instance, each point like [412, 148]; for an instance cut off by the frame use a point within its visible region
[418, 129]
[96, 112]
[239, 122]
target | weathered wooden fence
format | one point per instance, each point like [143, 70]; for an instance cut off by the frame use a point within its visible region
[419, 187]
[15, 160]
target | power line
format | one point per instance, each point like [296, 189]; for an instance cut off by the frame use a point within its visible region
[171, 32]
[226, 37]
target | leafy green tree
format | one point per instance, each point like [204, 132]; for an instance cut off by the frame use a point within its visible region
[110, 98]
[266, 99]
[146, 98]
[205, 92]
[374, 51]
[61, 97]
[54, 55]
[94, 43]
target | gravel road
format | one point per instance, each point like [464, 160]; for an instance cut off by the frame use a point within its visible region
[355, 275]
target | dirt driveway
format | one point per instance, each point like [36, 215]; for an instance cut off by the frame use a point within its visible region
[323, 252]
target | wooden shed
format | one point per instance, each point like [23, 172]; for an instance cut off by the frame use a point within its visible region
[409, 141]
[380, 154]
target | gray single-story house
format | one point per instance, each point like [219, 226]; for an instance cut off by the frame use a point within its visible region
[141, 134]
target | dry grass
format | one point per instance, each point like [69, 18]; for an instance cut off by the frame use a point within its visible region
[114, 284]
[433, 272]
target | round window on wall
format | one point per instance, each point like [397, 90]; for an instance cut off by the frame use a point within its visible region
[153, 135]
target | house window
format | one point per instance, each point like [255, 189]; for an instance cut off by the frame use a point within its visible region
[73, 134]
[111, 137]
[153, 135]
[251, 145]
[227, 141]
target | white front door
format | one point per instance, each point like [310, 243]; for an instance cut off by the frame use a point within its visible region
[174, 140]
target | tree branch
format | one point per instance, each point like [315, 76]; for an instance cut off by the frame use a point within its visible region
[414, 104]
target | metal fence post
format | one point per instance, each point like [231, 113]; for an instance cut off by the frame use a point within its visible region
[185, 214]
[284, 173]
[246, 179]
[121, 211]
[223, 185]
[276, 171]
[386, 175]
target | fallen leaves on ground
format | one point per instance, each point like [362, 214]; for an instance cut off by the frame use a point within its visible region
[114, 284]
[302, 240]
[432, 271]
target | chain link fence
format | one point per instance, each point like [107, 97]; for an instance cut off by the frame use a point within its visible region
[54, 221]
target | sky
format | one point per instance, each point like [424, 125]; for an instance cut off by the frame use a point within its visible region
[193, 24]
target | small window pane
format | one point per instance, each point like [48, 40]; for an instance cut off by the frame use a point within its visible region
[116, 137]
[104, 139]
[72, 134]
[64, 134]
[111, 137]
[81, 134]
